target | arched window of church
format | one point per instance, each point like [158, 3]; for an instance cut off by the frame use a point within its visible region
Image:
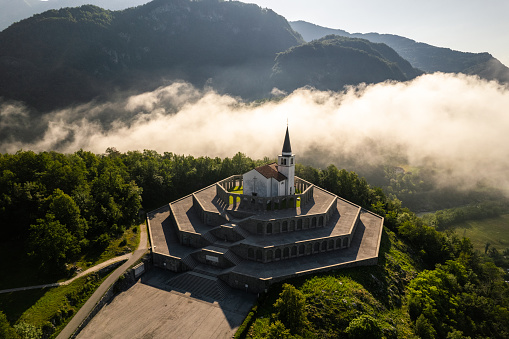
[291, 161]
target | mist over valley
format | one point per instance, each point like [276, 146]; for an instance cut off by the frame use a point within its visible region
[106, 114]
[216, 78]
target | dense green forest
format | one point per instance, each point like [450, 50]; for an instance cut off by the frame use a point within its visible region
[83, 52]
[427, 283]
[332, 62]
[61, 205]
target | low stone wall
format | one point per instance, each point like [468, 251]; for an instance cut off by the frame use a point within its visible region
[167, 262]
[212, 258]
[246, 283]
[128, 279]
[255, 285]
[263, 203]
[292, 250]
[198, 208]
[192, 239]
[227, 233]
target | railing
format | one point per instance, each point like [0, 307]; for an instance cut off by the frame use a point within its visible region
[263, 203]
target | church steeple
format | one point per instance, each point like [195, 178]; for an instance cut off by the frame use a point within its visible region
[287, 147]
[286, 164]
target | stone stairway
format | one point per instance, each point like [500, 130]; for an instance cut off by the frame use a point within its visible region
[190, 262]
[245, 234]
[233, 258]
[225, 251]
[223, 244]
[208, 270]
[209, 237]
[199, 284]
[226, 216]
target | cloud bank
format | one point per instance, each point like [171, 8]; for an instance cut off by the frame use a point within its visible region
[455, 123]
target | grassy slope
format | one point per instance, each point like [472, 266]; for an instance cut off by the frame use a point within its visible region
[492, 230]
[24, 272]
[20, 305]
[336, 298]
[126, 243]
[59, 304]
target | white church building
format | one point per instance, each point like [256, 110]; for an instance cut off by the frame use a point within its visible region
[272, 180]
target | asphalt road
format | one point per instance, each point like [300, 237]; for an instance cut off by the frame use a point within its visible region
[94, 299]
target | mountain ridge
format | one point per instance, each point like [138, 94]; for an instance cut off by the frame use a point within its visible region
[420, 55]
[164, 39]
[332, 62]
[85, 53]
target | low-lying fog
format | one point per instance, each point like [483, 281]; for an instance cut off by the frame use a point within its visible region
[456, 123]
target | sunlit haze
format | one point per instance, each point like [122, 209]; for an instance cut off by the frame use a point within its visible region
[455, 123]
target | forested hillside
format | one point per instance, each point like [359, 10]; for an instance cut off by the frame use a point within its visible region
[421, 55]
[84, 52]
[73, 55]
[427, 283]
[332, 62]
[59, 206]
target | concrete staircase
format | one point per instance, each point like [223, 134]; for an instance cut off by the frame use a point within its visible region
[226, 216]
[200, 285]
[190, 262]
[209, 237]
[242, 232]
[233, 258]
[223, 250]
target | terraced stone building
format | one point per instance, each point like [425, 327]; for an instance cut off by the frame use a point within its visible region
[280, 226]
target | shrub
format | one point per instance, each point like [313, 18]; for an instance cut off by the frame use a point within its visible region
[290, 308]
[364, 326]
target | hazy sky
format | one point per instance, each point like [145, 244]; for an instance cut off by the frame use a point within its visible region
[465, 25]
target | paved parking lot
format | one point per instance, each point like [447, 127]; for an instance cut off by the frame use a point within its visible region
[150, 309]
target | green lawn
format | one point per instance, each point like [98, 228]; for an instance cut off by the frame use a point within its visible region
[53, 307]
[492, 230]
[126, 243]
[39, 306]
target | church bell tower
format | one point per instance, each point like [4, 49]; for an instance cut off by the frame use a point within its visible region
[286, 164]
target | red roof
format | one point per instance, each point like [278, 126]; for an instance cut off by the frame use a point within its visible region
[270, 171]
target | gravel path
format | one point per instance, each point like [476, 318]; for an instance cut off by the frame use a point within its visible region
[67, 282]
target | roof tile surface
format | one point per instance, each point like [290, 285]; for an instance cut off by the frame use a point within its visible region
[270, 171]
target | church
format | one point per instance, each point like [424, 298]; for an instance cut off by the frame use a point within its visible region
[280, 226]
[276, 179]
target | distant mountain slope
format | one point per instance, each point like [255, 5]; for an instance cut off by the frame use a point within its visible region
[422, 56]
[13, 11]
[74, 54]
[333, 62]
